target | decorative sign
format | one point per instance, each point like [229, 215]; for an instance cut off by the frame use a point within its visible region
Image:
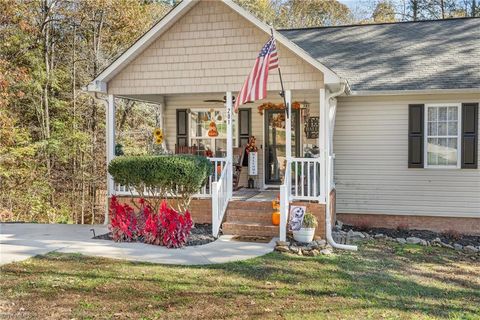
[252, 163]
[296, 217]
[229, 116]
[311, 128]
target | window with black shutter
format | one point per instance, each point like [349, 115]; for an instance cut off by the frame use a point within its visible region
[443, 135]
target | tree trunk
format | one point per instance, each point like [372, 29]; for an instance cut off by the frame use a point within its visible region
[45, 94]
[415, 9]
[74, 126]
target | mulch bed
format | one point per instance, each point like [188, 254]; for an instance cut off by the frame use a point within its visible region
[464, 240]
[201, 234]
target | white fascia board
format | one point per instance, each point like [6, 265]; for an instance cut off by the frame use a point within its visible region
[142, 43]
[411, 92]
[329, 76]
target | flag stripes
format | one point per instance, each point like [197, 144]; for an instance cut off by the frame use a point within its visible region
[255, 86]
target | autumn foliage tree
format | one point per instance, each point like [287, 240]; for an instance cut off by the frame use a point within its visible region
[52, 166]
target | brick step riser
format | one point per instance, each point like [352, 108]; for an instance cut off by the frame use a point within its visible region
[266, 221]
[251, 210]
[250, 217]
[250, 205]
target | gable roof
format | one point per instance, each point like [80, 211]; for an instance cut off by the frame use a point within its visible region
[99, 83]
[426, 55]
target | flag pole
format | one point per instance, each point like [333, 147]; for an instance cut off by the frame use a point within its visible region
[282, 93]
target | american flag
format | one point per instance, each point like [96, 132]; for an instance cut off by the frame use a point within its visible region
[255, 87]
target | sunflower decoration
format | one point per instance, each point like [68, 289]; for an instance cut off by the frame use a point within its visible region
[158, 136]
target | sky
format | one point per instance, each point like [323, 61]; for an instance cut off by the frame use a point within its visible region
[358, 8]
[350, 3]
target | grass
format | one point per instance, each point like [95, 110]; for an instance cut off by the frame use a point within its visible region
[381, 281]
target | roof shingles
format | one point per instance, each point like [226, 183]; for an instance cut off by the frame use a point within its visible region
[441, 54]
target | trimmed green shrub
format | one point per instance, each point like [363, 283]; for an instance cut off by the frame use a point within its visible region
[162, 176]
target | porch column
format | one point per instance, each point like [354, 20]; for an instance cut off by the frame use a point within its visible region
[161, 105]
[288, 125]
[110, 139]
[322, 142]
[229, 106]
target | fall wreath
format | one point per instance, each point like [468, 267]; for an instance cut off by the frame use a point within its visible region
[275, 106]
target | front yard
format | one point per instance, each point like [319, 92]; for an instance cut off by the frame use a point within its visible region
[380, 281]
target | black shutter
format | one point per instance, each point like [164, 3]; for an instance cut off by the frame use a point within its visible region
[415, 135]
[244, 126]
[244, 129]
[182, 127]
[469, 135]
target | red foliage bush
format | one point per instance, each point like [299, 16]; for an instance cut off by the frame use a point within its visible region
[151, 231]
[168, 227]
[175, 226]
[123, 223]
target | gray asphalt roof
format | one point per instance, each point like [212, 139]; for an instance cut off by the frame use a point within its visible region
[441, 54]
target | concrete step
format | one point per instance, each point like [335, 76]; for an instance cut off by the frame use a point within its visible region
[249, 215]
[249, 229]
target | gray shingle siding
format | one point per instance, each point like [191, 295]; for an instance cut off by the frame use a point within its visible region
[442, 54]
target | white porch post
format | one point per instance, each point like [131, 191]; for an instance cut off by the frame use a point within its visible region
[322, 143]
[110, 117]
[161, 105]
[288, 125]
[229, 105]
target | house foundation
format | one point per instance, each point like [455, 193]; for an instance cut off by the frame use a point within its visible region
[469, 226]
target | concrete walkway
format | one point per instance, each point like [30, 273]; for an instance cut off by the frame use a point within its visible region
[20, 241]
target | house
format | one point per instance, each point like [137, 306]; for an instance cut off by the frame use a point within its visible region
[381, 129]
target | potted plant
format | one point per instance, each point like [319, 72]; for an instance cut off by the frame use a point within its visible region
[307, 231]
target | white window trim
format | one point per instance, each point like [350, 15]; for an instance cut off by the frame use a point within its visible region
[459, 136]
[235, 131]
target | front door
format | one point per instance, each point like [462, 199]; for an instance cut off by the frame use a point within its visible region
[275, 144]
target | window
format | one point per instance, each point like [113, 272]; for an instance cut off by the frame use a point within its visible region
[208, 131]
[442, 139]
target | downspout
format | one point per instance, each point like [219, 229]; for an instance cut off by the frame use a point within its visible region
[328, 221]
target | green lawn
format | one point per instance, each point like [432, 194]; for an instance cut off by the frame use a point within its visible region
[381, 281]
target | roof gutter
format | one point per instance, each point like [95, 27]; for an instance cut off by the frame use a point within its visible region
[344, 88]
[410, 92]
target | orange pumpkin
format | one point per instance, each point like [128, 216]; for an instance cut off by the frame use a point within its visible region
[276, 218]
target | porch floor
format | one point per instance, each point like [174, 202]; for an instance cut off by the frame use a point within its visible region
[255, 195]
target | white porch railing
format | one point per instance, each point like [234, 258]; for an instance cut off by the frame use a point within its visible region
[205, 192]
[305, 179]
[302, 182]
[220, 197]
[218, 165]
